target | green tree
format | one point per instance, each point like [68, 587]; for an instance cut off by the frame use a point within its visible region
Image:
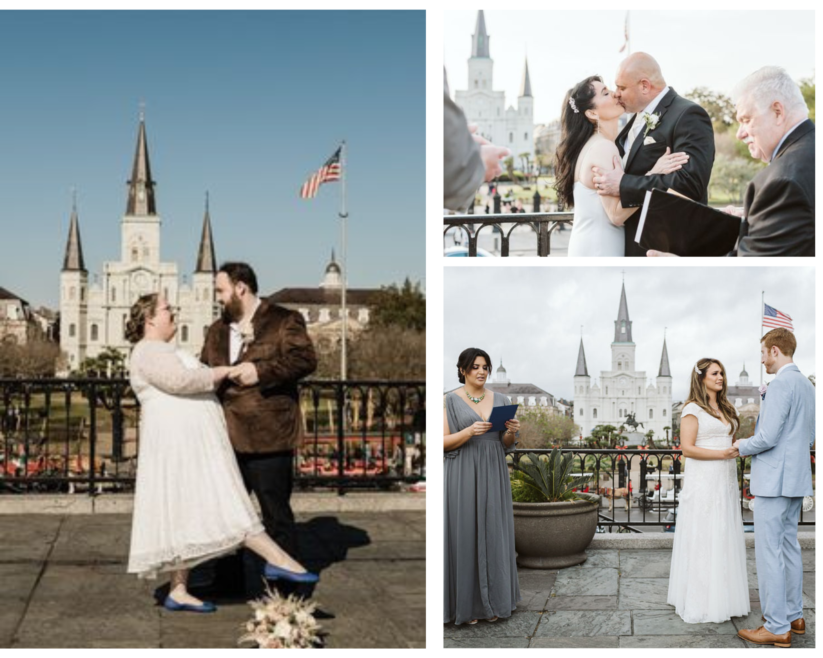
[604, 436]
[110, 362]
[35, 358]
[541, 429]
[649, 435]
[720, 107]
[731, 176]
[509, 164]
[399, 307]
[807, 88]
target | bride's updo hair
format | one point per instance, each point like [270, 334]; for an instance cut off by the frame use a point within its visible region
[142, 310]
[698, 394]
[576, 129]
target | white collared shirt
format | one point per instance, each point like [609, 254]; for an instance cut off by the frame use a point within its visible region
[651, 107]
[236, 337]
[790, 363]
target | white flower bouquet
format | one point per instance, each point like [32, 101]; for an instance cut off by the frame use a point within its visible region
[282, 623]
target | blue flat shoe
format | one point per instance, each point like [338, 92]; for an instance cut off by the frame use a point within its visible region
[279, 573]
[174, 606]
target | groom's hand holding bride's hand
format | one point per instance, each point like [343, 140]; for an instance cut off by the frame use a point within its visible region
[244, 374]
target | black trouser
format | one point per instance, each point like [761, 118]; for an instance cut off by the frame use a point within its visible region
[269, 476]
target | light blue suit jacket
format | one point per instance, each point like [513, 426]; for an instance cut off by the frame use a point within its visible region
[784, 434]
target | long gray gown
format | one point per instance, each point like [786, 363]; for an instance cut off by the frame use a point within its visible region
[479, 559]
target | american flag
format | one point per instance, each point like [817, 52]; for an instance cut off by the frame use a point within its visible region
[328, 172]
[773, 318]
[626, 33]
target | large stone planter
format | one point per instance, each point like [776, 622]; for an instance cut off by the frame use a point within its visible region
[553, 535]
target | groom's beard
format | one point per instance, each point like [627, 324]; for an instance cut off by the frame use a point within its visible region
[233, 310]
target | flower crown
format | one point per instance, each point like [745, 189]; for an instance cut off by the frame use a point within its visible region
[573, 105]
[697, 370]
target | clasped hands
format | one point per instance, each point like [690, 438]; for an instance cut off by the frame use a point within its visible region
[242, 374]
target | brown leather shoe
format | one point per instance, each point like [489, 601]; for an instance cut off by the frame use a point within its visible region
[798, 626]
[762, 636]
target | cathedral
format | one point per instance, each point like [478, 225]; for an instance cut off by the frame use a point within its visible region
[623, 389]
[93, 314]
[510, 127]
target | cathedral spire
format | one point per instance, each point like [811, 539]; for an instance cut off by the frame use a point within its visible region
[664, 362]
[623, 326]
[582, 370]
[526, 86]
[73, 259]
[141, 200]
[480, 40]
[206, 261]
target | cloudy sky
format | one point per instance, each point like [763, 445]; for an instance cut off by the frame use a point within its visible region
[714, 49]
[534, 315]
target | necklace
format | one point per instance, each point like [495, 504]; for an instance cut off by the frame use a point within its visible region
[475, 400]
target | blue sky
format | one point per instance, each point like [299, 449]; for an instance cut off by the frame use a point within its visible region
[713, 49]
[244, 104]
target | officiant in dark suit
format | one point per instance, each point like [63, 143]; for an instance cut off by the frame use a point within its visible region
[662, 119]
[779, 203]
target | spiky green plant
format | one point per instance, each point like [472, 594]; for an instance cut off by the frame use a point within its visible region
[547, 479]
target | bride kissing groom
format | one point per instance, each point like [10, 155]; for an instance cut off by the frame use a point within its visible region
[708, 581]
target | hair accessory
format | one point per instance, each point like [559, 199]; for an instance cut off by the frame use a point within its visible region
[698, 371]
[573, 105]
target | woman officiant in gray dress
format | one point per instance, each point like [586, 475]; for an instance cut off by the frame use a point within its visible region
[479, 564]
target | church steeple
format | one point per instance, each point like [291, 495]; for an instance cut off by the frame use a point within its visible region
[141, 201]
[582, 370]
[480, 40]
[526, 85]
[664, 362]
[73, 259]
[206, 261]
[623, 326]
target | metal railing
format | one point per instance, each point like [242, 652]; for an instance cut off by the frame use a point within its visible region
[66, 435]
[644, 506]
[544, 224]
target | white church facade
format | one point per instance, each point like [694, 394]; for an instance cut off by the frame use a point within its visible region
[512, 127]
[623, 390]
[93, 315]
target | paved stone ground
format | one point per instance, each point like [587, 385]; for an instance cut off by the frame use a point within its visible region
[64, 584]
[617, 598]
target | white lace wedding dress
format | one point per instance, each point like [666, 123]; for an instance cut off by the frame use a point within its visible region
[592, 232]
[708, 582]
[190, 504]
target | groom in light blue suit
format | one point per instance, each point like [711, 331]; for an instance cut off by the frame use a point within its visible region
[780, 477]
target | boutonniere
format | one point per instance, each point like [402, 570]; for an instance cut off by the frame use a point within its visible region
[763, 391]
[246, 333]
[651, 121]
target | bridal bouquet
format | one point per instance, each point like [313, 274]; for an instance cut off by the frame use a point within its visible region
[282, 623]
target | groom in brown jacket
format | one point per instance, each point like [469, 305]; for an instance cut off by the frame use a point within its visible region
[272, 351]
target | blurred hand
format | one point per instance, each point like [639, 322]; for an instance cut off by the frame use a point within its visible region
[513, 425]
[607, 183]
[479, 428]
[491, 156]
[653, 253]
[244, 374]
[731, 453]
[477, 138]
[737, 211]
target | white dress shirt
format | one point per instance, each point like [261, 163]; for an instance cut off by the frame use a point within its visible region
[236, 337]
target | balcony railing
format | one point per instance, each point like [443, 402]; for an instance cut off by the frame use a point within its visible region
[651, 503]
[543, 224]
[65, 435]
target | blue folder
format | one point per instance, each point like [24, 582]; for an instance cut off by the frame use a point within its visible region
[500, 415]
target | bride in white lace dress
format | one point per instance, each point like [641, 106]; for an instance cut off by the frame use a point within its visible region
[708, 581]
[190, 503]
[589, 121]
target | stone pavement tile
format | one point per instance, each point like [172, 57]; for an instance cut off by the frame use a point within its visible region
[368, 626]
[808, 559]
[586, 582]
[533, 600]
[754, 595]
[11, 612]
[485, 643]
[584, 623]
[520, 624]
[808, 586]
[682, 642]
[643, 594]
[188, 630]
[667, 622]
[398, 577]
[582, 603]
[389, 550]
[382, 527]
[536, 580]
[88, 538]
[28, 541]
[598, 642]
[599, 559]
[17, 582]
[645, 564]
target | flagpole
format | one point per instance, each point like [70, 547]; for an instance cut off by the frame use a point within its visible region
[762, 315]
[343, 216]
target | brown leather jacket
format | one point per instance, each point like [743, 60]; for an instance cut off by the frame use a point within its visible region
[265, 417]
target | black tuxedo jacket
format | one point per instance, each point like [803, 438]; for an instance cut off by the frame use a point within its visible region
[685, 127]
[779, 204]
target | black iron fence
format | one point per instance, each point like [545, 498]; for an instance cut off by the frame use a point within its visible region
[642, 486]
[69, 435]
[542, 224]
